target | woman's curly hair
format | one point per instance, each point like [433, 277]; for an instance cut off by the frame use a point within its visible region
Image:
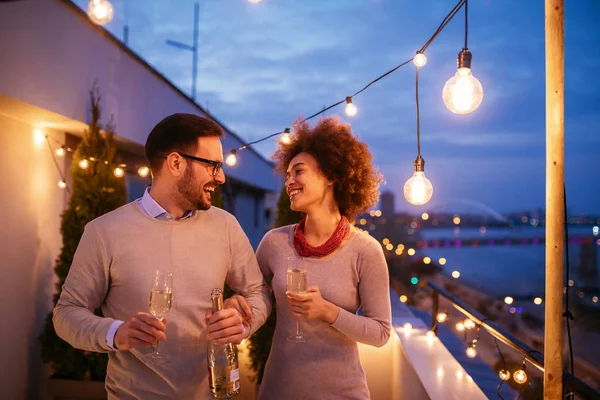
[342, 158]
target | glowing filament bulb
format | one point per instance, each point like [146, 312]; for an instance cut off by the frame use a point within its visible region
[520, 377]
[100, 11]
[441, 317]
[471, 352]
[418, 190]
[351, 109]
[62, 184]
[60, 152]
[84, 164]
[143, 171]
[119, 172]
[460, 327]
[231, 159]
[463, 93]
[286, 138]
[504, 374]
[420, 59]
[469, 324]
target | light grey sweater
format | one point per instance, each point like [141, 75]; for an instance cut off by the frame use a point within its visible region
[114, 267]
[327, 365]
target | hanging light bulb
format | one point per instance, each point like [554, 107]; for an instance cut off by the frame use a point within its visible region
[100, 11]
[231, 159]
[419, 59]
[504, 374]
[39, 136]
[460, 327]
[286, 138]
[351, 109]
[418, 189]
[471, 352]
[143, 171]
[119, 172]
[469, 324]
[83, 164]
[60, 152]
[520, 376]
[441, 317]
[62, 184]
[463, 93]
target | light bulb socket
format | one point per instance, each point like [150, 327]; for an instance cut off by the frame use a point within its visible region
[348, 100]
[286, 130]
[233, 152]
[464, 59]
[419, 164]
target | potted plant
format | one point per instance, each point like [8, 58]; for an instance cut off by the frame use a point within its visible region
[95, 191]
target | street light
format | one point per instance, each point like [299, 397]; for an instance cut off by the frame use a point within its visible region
[193, 48]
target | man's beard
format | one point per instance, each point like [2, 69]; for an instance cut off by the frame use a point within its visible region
[193, 195]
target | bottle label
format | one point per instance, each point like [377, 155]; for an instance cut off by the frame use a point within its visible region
[235, 375]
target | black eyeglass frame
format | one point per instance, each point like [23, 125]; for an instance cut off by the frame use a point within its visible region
[217, 165]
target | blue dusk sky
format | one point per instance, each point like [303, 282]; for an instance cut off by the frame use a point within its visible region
[263, 65]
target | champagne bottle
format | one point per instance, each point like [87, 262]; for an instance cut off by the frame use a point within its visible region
[223, 369]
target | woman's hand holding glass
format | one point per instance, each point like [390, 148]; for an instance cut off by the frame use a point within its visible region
[312, 305]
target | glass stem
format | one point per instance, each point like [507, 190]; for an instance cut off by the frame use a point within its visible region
[298, 332]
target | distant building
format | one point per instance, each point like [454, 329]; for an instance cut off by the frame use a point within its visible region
[387, 205]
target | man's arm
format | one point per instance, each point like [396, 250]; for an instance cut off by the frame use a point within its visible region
[84, 290]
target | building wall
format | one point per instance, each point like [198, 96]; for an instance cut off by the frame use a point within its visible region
[54, 56]
[30, 208]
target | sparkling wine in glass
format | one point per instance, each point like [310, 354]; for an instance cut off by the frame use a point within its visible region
[296, 283]
[161, 297]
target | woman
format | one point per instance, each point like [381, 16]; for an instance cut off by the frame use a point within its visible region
[330, 178]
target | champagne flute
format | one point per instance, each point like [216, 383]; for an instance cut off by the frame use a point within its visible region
[161, 295]
[296, 283]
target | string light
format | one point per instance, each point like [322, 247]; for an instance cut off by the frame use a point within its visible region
[442, 317]
[460, 327]
[286, 138]
[100, 11]
[62, 184]
[84, 164]
[504, 374]
[471, 352]
[420, 59]
[407, 326]
[520, 376]
[422, 184]
[231, 159]
[143, 171]
[463, 93]
[39, 136]
[119, 172]
[418, 189]
[351, 109]
[60, 152]
[469, 324]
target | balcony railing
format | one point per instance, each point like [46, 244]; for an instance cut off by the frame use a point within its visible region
[571, 384]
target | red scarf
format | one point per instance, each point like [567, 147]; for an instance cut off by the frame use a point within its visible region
[306, 250]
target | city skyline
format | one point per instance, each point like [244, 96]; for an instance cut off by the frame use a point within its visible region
[263, 65]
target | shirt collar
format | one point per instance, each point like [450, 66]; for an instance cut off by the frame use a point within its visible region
[155, 210]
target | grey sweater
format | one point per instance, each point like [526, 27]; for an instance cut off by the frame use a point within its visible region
[327, 365]
[113, 268]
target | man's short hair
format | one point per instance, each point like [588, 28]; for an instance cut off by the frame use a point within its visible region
[177, 132]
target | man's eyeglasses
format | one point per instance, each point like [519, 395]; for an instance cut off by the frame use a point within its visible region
[216, 165]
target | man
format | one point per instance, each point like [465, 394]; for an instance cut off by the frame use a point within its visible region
[172, 227]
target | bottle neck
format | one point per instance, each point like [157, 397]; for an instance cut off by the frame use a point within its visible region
[216, 295]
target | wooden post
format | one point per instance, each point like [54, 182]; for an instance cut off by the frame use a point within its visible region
[555, 235]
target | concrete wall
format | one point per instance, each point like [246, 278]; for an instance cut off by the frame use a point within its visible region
[30, 208]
